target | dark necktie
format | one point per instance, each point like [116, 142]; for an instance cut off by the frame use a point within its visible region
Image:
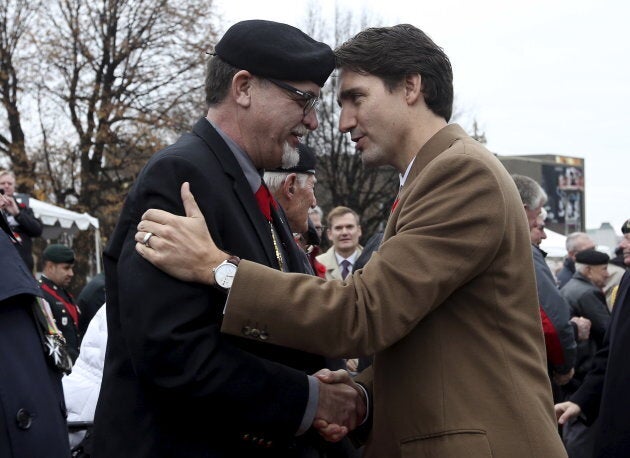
[345, 268]
[265, 201]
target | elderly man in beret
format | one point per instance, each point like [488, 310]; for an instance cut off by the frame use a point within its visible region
[173, 385]
[56, 277]
[294, 188]
[603, 399]
[584, 293]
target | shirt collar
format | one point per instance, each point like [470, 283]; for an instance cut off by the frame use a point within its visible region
[403, 178]
[350, 258]
[252, 175]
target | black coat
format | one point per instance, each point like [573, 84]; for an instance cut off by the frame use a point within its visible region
[588, 301]
[604, 392]
[32, 408]
[173, 385]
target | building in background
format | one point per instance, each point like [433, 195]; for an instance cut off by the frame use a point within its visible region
[562, 178]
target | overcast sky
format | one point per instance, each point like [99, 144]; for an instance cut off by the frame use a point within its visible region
[540, 77]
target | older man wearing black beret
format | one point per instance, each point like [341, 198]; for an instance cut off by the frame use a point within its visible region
[173, 385]
[584, 293]
[603, 399]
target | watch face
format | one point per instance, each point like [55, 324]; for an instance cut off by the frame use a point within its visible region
[224, 274]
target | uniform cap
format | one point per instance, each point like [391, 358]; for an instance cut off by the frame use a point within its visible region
[58, 253]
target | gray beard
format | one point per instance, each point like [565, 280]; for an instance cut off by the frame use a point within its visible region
[290, 156]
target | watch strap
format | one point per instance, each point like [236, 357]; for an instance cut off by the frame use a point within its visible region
[234, 260]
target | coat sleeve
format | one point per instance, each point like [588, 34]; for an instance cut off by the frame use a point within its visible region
[589, 394]
[457, 205]
[30, 225]
[593, 304]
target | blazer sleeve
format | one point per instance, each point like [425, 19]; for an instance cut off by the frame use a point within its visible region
[412, 273]
[29, 225]
[171, 328]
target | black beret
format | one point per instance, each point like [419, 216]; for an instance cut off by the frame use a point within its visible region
[592, 258]
[307, 162]
[625, 227]
[58, 253]
[276, 50]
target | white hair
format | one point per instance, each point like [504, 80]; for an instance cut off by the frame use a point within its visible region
[275, 180]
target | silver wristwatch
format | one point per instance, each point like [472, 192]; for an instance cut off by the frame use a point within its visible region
[224, 273]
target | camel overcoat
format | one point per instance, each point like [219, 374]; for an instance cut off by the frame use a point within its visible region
[448, 305]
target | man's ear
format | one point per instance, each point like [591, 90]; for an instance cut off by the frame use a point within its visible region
[242, 88]
[289, 185]
[413, 87]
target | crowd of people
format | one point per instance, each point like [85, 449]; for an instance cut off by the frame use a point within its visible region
[228, 332]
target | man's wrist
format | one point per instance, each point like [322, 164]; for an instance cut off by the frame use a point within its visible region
[366, 399]
[217, 275]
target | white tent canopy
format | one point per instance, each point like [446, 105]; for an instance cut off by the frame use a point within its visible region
[58, 221]
[554, 244]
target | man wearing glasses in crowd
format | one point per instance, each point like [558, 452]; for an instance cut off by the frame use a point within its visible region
[172, 384]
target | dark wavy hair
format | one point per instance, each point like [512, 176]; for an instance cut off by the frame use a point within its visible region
[392, 53]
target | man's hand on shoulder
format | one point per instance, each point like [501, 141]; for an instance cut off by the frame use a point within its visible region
[181, 246]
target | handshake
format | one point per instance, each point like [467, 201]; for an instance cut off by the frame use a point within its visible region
[342, 405]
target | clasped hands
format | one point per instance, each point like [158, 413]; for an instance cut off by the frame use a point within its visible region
[342, 405]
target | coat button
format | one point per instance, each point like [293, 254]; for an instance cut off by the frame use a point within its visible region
[24, 419]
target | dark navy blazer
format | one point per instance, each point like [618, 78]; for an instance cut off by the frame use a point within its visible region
[173, 385]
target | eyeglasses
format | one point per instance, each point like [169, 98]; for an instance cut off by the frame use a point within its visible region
[310, 101]
[320, 228]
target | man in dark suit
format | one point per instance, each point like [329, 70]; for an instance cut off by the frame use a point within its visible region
[172, 384]
[603, 395]
[32, 410]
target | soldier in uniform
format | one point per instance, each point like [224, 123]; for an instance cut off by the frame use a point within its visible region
[56, 277]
